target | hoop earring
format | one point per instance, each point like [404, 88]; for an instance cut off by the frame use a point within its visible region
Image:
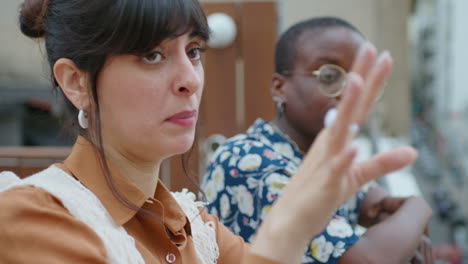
[279, 105]
[83, 119]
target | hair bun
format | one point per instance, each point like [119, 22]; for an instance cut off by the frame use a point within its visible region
[32, 17]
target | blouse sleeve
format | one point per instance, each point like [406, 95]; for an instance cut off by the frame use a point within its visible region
[36, 228]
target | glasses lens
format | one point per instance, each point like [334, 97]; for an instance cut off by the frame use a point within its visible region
[330, 74]
[332, 79]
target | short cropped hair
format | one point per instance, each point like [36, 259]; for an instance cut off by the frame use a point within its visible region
[286, 47]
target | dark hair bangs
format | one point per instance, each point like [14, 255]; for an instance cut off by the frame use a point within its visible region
[142, 25]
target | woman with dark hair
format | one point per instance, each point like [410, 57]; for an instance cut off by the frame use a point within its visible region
[248, 172]
[131, 72]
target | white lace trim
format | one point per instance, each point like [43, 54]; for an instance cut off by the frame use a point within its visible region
[86, 207]
[7, 180]
[204, 233]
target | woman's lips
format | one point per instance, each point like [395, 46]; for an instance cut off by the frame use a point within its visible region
[184, 118]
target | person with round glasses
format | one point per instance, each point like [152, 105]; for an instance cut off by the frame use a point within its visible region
[249, 172]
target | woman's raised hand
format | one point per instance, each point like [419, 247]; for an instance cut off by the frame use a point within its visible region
[330, 161]
[328, 175]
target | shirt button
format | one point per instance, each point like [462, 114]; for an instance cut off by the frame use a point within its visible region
[170, 258]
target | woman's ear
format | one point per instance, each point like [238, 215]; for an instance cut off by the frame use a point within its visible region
[74, 83]
[277, 86]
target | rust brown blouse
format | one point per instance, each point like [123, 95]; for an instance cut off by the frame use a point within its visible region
[36, 228]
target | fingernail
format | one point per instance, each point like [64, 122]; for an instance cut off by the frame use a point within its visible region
[372, 46]
[354, 80]
[354, 128]
[362, 49]
[330, 117]
[384, 55]
[353, 76]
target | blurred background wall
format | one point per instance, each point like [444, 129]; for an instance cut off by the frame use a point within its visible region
[25, 87]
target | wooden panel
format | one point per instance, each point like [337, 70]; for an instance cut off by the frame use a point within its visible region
[218, 110]
[258, 43]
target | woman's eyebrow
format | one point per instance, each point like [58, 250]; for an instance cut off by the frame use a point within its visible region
[327, 60]
[320, 61]
[197, 34]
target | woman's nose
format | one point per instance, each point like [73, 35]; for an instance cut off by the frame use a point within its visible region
[187, 78]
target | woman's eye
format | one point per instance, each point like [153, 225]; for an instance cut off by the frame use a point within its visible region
[195, 53]
[153, 57]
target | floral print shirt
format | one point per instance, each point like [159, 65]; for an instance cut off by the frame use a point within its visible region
[248, 172]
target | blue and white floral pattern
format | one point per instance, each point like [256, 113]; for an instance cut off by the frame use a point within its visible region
[249, 172]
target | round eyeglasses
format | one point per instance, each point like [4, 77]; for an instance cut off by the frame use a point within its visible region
[332, 80]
